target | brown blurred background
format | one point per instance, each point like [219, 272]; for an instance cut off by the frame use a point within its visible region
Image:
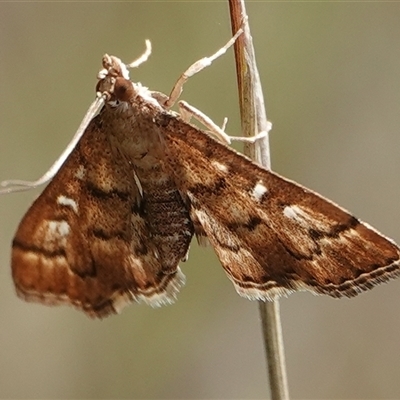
[331, 76]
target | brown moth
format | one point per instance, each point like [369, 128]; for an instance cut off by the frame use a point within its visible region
[119, 215]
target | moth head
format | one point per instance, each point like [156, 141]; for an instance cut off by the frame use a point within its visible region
[113, 78]
[113, 68]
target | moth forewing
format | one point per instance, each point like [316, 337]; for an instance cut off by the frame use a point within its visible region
[272, 235]
[87, 239]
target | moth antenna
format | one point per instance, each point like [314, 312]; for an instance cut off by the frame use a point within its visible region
[143, 58]
[12, 186]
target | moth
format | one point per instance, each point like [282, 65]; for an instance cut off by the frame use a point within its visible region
[138, 181]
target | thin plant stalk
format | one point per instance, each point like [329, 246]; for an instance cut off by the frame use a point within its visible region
[254, 120]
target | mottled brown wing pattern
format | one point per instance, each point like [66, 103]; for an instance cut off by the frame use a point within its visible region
[118, 217]
[90, 240]
[272, 235]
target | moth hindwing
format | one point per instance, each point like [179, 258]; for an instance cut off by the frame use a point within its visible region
[118, 217]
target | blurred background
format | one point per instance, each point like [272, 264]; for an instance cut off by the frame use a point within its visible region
[331, 76]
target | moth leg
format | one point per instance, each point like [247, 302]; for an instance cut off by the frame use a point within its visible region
[195, 68]
[187, 111]
[253, 139]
